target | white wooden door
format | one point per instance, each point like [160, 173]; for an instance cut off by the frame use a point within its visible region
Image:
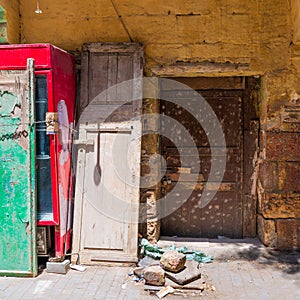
[107, 198]
[108, 154]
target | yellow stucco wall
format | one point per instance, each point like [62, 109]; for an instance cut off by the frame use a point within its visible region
[13, 22]
[256, 34]
[237, 31]
[197, 38]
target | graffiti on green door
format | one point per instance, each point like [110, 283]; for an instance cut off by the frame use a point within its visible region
[17, 185]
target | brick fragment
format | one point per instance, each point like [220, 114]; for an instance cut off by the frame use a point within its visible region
[267, 231]
[280, 205]
[288, 232]
[289, 176]
[173, 261]
[268, 175]
[284, 146]
[154, 275]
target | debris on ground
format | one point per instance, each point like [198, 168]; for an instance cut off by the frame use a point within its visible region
[148, 261]
[138, 271]
[154, 275]
[190, 273]
[79, 268]
[170, 270]
[173, 261]
[57, 258]
[58, 267]
[164, 292]
[156, 252]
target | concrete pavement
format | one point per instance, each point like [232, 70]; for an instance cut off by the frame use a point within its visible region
[257, 273]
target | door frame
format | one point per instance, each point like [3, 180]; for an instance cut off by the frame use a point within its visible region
[251, 116]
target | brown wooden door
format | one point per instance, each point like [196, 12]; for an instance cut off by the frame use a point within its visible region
[223, 215]
[105, 66]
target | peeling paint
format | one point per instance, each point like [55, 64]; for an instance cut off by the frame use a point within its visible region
[17, 202]
[8, 101]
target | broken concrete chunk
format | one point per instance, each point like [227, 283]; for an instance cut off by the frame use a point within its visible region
[154, 275]
[173, 261]
[58, 267]
[138, 271]
[147, 262]
[190, 273]
[195, 285]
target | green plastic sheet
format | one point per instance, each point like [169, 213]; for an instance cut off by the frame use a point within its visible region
[156, 252]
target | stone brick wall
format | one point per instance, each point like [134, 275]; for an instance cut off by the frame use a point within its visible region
[279, 177]
[149, 171]
[279, 185]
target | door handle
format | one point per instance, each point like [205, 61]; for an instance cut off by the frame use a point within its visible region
[97, 169]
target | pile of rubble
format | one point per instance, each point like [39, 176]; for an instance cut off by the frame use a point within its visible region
[173, 273]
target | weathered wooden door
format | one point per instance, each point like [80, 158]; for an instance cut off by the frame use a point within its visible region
[223, 216]
[17, 170]
[108, 149]
[107, 193]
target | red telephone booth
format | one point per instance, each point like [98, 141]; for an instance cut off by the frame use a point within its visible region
[55, 87]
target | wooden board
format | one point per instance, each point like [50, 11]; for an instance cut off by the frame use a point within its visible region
[107, 185]
[107, 204]
[104, 67]
[223, 215]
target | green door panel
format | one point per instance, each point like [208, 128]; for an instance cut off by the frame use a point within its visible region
[17, 174]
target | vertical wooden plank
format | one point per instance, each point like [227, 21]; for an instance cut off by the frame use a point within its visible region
[133, 189]
[233, 207]
[98, 77]
[112, 77]
[138, 65]
[32, 152]
[84, 78]
[125, 68]
[79, 196]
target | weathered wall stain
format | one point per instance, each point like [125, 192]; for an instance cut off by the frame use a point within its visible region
[3, 25]
[201, 38]
[9, 21]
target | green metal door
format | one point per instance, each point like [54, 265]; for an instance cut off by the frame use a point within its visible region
[17, 173]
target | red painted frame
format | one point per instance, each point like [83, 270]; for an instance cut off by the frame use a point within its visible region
[15, 56]
[53, 159]
[59, 66]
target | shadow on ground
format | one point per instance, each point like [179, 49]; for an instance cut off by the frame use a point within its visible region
[288, 262]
